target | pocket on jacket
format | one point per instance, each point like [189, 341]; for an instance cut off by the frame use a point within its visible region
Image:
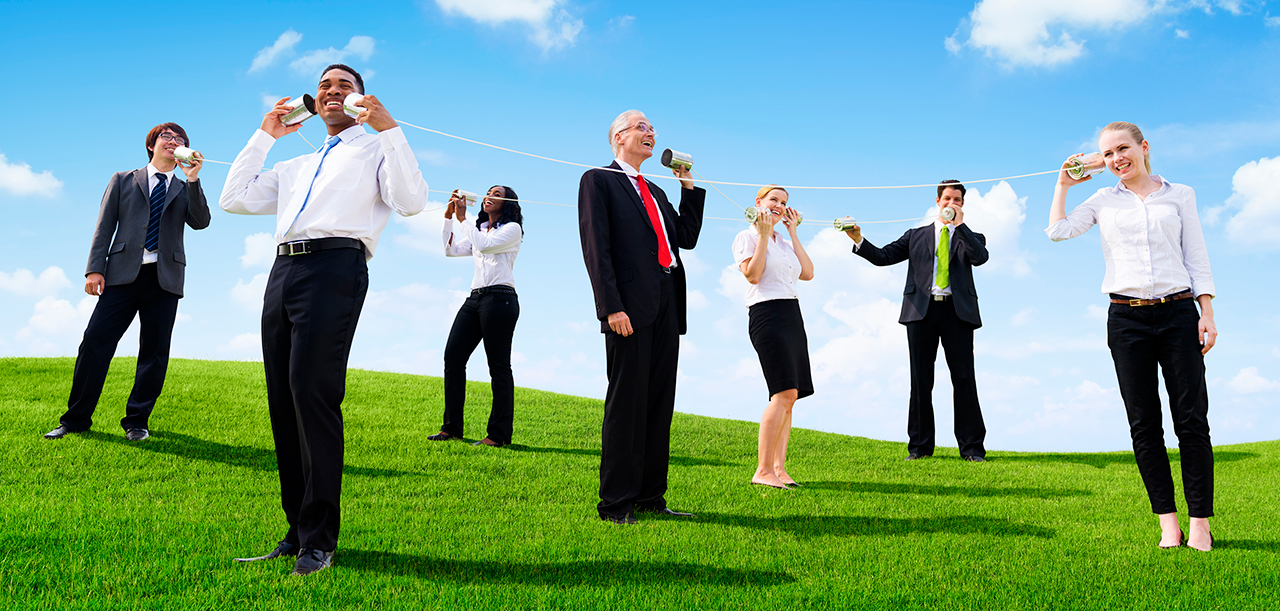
[180, 257]
[115, 248]
[626, 275]
[911, 288]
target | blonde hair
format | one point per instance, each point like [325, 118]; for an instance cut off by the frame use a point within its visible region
[1134, 132]
[767, 188]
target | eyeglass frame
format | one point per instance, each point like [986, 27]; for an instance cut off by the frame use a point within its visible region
[172, 137]
[648, 129]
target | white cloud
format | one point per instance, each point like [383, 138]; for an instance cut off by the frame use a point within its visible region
[246, 347]
[18, 179]
[696, 300]
[1249, 382]
[312, 62]
[553, 28]
[259, 250]
[1255, 196]
[1023, 317]
[1096, 312]
[1272, 22]
[424, 229]
[998, 216]
[1040, 32]
[282, 47]
[26, 284]
[1182, 34]
[249, 295]
[269, 101]
[56, 326]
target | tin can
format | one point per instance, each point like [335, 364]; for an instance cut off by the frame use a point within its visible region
[676, 159]
[303, 108]
[845, 223]
[947, 213]
[352, 106]
[754, 213]
[468, 197]
[184, 154]
[1085, 166]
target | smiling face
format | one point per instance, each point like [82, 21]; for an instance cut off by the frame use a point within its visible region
[167, 141]
[1125, 156]
[636, 141]
[493, 206]
[335, 86]
[774, 201]
[951, 197]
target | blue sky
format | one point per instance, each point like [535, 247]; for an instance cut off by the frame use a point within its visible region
[810, 93]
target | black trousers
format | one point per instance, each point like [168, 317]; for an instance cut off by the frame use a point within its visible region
[636, 435]
[1165, 335]
[941, 324]
[490, 317]
[309, 316]
[156, 309]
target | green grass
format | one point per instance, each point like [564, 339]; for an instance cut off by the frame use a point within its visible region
[94, 522]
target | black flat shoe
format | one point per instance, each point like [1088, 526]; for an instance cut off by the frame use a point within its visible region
[667, 511]
[60, 432]
[975, 459]
[626, 520]
[488, 442]
[283, 549]
[914, 456]
[312, 561]
[136, 434]
[441, 436]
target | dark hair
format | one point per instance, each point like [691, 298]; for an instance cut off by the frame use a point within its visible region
[950, 184]
[359, 81]
[155, 132]
[510, 210]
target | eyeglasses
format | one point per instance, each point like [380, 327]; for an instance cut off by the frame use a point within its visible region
[168, 137]
[643, 128]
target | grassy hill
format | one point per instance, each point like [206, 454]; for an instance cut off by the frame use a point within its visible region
[95, 522]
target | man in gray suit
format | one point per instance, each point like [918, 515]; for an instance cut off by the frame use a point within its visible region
[136, 265]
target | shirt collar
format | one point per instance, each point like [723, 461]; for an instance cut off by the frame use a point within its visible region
[351, 133]
[626, 167]
[152, 171]
[1120, 188]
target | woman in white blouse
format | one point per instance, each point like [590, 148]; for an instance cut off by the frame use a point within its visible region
[772, 265]
[489, 314]
[1157, 269]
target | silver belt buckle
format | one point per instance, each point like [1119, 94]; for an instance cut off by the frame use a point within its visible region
[301, 248]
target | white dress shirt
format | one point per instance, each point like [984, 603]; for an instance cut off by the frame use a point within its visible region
[494, 251]
[781, 266]
[635, 183]
[1152, 247]
[937, 235]
[153, 177]
[364, 178]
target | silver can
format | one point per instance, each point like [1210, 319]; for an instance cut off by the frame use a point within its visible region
[845, 223]
[352, 106]
[184, 154]
[676, 159]
[468, 197]
[754, 213]
[1086, 166]
[303, 108]
[948, 213]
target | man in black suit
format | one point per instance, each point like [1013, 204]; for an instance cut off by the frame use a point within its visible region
[136, 267]
[939, 303]
[631, 241]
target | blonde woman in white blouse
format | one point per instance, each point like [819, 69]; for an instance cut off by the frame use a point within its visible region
[772, 264]
[1157, 269]
[489, 314]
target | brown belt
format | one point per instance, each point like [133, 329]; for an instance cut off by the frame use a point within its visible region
[1147, 302]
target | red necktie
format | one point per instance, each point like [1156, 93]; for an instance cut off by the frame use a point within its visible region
[664, 249]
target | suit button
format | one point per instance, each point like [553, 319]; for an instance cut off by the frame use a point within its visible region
[653, 252]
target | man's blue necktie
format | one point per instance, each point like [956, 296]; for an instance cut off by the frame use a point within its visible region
[157, 208]
[329, 143]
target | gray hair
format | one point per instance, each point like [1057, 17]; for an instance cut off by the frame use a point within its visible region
[620, 124]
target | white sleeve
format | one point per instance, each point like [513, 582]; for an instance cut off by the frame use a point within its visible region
[1194, 254]
[1078, 221]
[460, 247]
[250, 189]
[400, 182]
[506, 238]
[744, 247]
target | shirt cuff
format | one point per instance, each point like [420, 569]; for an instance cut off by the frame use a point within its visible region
[857, 245]
[393, 138]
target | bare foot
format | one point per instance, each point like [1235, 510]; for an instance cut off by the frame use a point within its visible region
[768, 479]
[786, 479]
[1170, 532]
[1200, 538]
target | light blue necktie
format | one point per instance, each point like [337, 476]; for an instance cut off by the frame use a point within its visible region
[329, 143]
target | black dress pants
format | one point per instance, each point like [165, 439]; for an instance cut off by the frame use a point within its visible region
[309, 316]
[940, 323]
[638, 407]
[1165, 335]
[156, 309]
[488, 315]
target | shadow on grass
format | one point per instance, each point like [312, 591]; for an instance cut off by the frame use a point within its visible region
[594, 573]
[682, 461]
[930, 490]
[1104, 460]
[249, 457]
[869, 526]
[1252, 545]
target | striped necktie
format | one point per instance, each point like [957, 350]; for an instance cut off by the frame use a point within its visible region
[329, 143]
[157, 208]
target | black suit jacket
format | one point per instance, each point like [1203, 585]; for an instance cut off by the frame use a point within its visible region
[621, 248]
[121, 234]
[918, 246]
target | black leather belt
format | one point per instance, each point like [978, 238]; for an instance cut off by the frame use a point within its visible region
[940, 297]
[306, 247]
[497, 289]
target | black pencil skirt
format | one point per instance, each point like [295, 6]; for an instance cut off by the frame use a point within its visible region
[777, 332]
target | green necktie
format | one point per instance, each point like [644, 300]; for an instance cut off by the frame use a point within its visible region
[944, 259]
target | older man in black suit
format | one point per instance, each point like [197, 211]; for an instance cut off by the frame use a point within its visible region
[136, 267]
[939, 303]
[631, 241]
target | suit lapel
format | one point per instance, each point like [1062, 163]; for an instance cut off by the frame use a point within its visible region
[140, 177]
[631, 190]
[172, 188]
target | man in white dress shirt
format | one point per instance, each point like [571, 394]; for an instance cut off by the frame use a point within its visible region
[330, 207]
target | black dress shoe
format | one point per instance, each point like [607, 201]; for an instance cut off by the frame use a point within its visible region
[975, 459]
[136, 434]
[60, 432]
[488, 442]
[441, 436]
[620, 520]
[311, 561]
[914, 456]
[283, 549]
[666, 511]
